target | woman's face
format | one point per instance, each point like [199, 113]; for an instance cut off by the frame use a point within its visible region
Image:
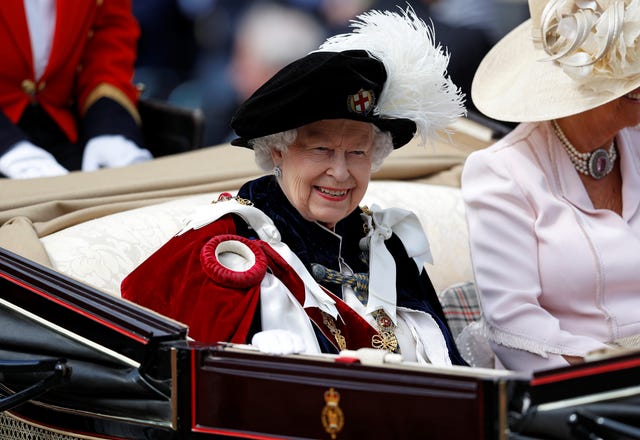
[629, 108]
[326, 170]
[620, 113]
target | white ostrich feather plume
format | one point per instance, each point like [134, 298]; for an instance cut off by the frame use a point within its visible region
[417, 85]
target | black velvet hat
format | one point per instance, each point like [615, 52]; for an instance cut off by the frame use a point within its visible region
[387, 72]
[322, 85]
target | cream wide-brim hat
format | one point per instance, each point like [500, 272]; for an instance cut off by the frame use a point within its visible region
[514, 84]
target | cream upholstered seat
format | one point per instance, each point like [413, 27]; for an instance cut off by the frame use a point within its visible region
[101, 252]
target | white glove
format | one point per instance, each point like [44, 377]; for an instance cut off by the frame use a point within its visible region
[109, 151]
[26, 161]
[278, 342]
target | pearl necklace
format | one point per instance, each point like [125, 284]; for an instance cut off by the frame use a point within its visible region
[596, 164]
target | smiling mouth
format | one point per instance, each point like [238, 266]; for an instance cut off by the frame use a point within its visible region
[633, 96]
[332, 192]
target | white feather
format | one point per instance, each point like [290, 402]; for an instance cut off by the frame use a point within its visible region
[417, 85]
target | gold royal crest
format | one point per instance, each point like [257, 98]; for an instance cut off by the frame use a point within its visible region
[332, 416]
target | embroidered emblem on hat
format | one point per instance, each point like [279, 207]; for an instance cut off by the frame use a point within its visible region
[362, 102]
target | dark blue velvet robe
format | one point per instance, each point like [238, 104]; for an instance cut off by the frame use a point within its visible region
[313, 243]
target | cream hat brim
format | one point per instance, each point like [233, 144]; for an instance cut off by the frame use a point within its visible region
[513, 84]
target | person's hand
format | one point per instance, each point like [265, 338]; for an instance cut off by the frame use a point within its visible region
[278, 342]
[109, 151]
[26, 161]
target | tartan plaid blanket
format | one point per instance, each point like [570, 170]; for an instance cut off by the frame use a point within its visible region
[460, 306]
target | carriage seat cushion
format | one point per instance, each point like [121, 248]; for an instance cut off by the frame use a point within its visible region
[101, 252]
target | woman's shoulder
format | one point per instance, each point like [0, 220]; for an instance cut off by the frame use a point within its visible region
[520, 163]
[523, 136]
[521, 145]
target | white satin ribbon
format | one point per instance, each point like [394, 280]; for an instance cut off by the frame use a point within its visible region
[382, 266]
[280, 310]
[267, 231]
[427, 336]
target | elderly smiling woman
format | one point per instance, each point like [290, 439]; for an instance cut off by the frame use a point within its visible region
[328, 163]
[292, 263]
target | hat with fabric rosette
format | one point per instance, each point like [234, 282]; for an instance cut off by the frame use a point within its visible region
[569, 57]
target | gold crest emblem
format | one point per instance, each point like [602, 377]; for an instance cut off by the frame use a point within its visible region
[362, 102]
[332, 416]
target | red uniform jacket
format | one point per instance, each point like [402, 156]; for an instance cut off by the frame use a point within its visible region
[94, 45]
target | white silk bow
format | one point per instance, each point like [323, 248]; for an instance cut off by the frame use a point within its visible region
[382, 266]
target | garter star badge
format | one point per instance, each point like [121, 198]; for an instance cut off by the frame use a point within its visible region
[362, 102]
[332, 416]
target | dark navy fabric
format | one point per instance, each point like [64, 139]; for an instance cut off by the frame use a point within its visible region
[107, 117]
[313, 243]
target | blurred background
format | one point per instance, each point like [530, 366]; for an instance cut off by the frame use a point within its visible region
[212, 54]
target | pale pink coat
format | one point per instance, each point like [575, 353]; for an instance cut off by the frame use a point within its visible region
[555, 276]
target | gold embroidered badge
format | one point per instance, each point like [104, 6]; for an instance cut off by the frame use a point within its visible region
[362, 102]
[332, 416]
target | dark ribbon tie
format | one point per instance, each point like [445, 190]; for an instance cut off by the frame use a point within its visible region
[359, 282]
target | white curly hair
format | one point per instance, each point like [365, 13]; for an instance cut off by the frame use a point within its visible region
[381, 148]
